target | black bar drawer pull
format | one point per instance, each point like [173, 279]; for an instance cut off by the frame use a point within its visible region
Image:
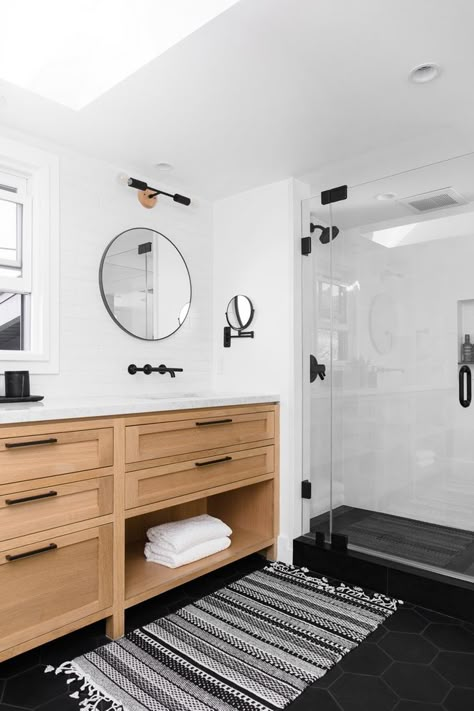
[465, 386]
[214, 422]
[14, 445]
[25, 499]
[213, 461]
[51, 547]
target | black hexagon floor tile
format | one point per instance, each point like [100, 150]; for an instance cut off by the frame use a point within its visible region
[33, 688]
[416, 682]
[456, 667]
[406, 620]
[408, 647]
[451, 638]
[459, 700]
[315, 699]
[433, 616]
[367, 658]
[18, 664]
[355, 692]
[416, 706]
[4, 707]
[330, 677]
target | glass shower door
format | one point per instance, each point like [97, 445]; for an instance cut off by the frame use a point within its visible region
[389, 439]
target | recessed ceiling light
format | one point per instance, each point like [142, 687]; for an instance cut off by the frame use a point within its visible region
[425, 72]
[72, 53]
[163, 167]
[386, 196]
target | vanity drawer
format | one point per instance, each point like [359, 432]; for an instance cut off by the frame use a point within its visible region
[55, 452]
[37, 510]
[166, 439]
[159, 483]
[58, 581]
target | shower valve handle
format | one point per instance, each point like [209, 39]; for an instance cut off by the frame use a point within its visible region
[316, 369]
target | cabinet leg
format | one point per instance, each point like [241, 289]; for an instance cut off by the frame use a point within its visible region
[115, 625]
[271, 552]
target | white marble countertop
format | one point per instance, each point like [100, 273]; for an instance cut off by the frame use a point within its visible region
[75, 407]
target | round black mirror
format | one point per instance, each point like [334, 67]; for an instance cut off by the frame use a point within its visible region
[239, 312]
[145, 284]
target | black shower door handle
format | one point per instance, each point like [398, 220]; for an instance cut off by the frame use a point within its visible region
[465, 386]
[316, 369]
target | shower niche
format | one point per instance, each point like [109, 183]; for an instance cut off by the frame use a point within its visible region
[465, 342]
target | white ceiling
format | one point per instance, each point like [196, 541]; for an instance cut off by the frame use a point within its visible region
[273, 88]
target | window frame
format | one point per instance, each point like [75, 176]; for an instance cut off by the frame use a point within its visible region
[37, 173]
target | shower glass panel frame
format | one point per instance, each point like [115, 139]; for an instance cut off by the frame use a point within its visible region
[387, 444]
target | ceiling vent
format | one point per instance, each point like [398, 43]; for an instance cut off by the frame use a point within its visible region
[433, 200]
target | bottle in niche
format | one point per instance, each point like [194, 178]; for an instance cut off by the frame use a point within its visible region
[466, 354]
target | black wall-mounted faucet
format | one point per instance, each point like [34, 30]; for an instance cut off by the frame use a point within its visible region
[148, 370]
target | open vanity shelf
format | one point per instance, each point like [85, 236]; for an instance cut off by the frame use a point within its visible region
[77, 497]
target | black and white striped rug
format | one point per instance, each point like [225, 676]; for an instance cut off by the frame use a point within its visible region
[254, 645]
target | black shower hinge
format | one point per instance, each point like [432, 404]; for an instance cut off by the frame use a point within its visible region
[306, 246]
[144, 248]
[306, 489]
[334, 195]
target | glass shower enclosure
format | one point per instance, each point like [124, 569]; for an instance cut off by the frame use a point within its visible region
[388, 322]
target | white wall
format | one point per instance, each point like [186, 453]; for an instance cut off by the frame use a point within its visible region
[94, 352]
[256, 252]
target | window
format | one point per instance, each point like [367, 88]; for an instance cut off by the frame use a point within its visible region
[15, 264]
[28, 259]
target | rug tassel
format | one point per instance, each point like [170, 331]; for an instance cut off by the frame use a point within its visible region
[94, 696]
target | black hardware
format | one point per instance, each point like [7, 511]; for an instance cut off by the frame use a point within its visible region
[306, 246]
[141, 185]
[148, 370]
[214, 422]
[37, 497]
[144, 248]
[240, 334]
[306, 489]
[34, 443]
[316, 369]
[213, 461]
[324, 236]
[465, 386]
[334, 195]
[18, 556]
[339, 542]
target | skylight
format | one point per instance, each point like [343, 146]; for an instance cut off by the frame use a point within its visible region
[73, 52]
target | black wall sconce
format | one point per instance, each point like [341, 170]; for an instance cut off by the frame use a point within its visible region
[239, 315]
[147, 196]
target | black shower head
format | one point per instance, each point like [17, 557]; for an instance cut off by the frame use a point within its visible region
[324, 236]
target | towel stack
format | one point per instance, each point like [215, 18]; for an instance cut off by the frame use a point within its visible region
[180, 542]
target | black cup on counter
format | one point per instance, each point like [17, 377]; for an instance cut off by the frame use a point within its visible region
[17, 383]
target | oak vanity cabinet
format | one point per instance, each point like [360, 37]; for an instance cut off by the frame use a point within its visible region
[77, 496]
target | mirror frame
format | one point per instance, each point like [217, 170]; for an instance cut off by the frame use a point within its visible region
[252, 313]
[102, 293]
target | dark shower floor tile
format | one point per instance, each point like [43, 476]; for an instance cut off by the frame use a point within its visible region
[416, 661]
[443, 547]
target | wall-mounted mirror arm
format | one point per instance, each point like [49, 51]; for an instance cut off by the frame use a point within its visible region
[239, 315]
[241, 334]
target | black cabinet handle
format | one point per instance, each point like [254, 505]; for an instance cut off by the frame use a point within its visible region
[465, 386]
[213, 461]
[19, 556]
[14, 445]
[214, 422]
[24, 499]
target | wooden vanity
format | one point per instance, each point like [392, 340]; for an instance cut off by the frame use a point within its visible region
[77, 496]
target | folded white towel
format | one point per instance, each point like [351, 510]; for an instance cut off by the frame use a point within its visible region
[154, 554]
[178, 536]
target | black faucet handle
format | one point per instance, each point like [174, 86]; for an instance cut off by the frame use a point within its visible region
[132, 369]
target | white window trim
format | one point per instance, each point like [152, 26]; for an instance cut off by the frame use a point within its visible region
[42, 172]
